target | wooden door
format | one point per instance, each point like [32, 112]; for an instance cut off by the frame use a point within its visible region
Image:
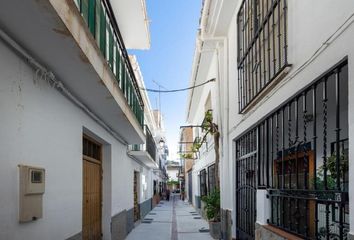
[136, 200]
[92, 197]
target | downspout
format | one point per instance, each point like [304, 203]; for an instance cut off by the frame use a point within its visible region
[51, 78]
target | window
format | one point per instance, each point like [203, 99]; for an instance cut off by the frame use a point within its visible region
[262, 46]
[203, 185]
[91, 149]
[299, 154]
[211, 178]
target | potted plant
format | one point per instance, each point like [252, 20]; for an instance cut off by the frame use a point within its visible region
[212, 208]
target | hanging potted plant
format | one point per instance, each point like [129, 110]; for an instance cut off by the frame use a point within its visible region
[212, 208]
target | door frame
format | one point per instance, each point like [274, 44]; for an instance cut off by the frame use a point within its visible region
[98, 162]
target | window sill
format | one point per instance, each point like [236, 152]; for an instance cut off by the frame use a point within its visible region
[281, 233]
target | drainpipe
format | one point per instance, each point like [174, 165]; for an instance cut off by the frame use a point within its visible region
[51, 78]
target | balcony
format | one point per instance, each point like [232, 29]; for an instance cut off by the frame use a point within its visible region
[80, 43]
[146, 153]
[100, 20]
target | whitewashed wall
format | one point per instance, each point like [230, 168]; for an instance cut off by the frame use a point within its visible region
[40, 127]
[310, 24]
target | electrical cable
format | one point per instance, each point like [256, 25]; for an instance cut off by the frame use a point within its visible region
[177, 90]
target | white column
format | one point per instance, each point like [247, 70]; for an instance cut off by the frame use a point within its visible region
[263, 207]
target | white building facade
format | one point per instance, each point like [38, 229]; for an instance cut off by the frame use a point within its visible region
[71, 107]
[283, 90]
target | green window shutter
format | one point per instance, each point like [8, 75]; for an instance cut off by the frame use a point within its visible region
[91, 16]
[78, 4]
[125, 84]
[123, 79]
[98, 22]
[117, 63]
[103, 30]
[84, 10]
[110, 46]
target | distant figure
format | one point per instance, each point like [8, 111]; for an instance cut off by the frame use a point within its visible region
[168, 194]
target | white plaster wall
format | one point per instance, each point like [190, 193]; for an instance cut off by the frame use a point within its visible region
[172, 174]
[207, 156]
[40, 127]
[310, 23]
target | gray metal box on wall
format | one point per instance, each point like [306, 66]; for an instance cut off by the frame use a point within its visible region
[32, 185]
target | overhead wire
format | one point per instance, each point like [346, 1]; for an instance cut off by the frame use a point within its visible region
[177, 90]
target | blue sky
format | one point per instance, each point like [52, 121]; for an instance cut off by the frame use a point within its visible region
[173, 29]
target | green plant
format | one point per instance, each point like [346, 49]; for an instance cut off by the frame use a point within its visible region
[331, 165]
[172, 182]
[212, 205]
[187, 155]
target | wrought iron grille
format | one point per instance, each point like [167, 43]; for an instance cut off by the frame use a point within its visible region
[211, 178]
[302, 159]
[150, 143]
[203, 184]
[190, 187]
[262, 46]
[246, 184]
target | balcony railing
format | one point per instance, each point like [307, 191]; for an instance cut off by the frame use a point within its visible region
[149, 146]
[101, 22]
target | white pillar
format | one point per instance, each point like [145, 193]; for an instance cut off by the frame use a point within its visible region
[263, 207]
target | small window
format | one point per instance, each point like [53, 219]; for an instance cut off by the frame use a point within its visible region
[91, 149]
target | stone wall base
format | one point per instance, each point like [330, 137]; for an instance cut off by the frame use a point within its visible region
[350, 236]
[122, 224]
[77, 236]
[145, 208]
[270, 232]
[226, 224]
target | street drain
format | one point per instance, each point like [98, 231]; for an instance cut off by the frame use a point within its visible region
[146, 221]
[152, 213]
[195, 214]
[203, 229]
[197, 217]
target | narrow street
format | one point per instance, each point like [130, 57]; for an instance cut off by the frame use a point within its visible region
[173, 220]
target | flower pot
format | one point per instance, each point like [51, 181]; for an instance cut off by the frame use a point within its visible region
[215, 229]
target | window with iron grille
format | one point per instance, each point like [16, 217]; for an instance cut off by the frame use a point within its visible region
[203, 184]
[262, 46]
[211, 178]
[302, 160]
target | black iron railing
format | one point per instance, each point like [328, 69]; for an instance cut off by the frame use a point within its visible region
[262, 46]
[246, 184]
[202, 183]
[99, 17]
[150, 143]
[149, 146]
[301, 156]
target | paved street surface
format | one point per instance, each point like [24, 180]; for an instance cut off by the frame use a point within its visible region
[174, 219]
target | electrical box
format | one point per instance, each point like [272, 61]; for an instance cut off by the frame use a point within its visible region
[32, 184]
